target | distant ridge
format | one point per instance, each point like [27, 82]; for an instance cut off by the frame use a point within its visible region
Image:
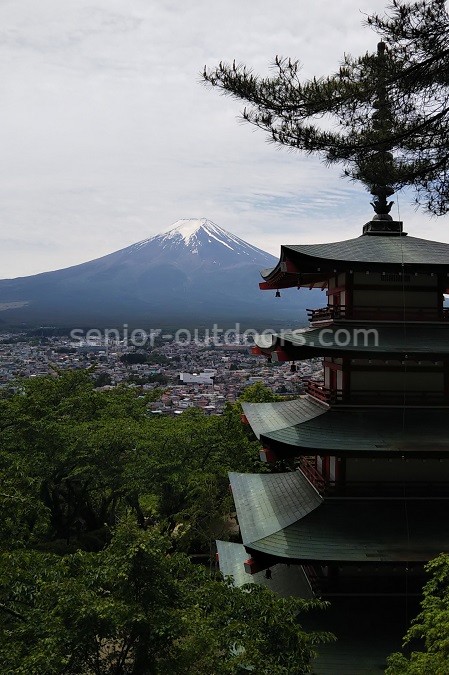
[194, 273]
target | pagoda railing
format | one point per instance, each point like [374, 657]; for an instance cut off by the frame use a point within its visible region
[326, 313]
[376, 313]
[314, 576]
[308, 468]
[370, 489]
[322, 393]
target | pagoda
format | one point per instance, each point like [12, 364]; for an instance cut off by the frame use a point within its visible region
[364, 503]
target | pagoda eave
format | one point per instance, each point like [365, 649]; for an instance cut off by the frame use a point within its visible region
[300, 525]
[313, 264]
[404, 556]
[356, 431]
[283, 280]
[358, 340]
[285, 451]
[307, 426]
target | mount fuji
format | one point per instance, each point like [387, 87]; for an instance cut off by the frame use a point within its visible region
[195, 273]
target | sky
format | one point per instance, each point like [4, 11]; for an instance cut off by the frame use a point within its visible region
[108, 136]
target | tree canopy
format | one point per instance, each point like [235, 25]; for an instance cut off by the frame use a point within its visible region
[102, 505]
[383, 116]
[427, 640]
[136, 607]
[74, 459]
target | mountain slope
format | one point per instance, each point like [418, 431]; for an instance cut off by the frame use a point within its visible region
[196, 272]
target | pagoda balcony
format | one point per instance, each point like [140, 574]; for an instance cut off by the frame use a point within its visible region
[320, 392]
[371, 489]
[329, 313]
[307, 467]
[375, 313]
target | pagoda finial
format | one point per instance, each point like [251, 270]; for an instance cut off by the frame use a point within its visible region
[379, 203]
[383, 159]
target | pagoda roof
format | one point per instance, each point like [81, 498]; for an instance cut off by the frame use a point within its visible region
[266, 503]
[356, 431]
[279, 517]
[308, 264]
[267, 417]
[431, 340]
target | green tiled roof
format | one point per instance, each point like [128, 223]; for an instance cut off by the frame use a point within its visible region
[312, 263]
[362, 531]
[368, 430]
[266, 417]
[285, 581]
[377, 249]
[266, 503]
[397, 339]
[282, 515]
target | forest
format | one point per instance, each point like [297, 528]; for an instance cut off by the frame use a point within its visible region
[104, 507]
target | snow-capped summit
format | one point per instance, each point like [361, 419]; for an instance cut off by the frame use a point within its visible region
[188, 228]
[202, 237]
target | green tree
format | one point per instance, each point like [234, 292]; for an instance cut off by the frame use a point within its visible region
[69, 446]
[389, 111]
[258, 393]
[74, 459]
[103, 379]
[99, 500]
[428, 635]
[137, 608]
[189, 458]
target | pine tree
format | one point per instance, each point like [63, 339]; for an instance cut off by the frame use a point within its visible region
[383, 116]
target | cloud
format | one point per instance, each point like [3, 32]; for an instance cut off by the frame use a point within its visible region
[108, 137]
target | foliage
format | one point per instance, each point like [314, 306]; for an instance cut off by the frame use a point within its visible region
[157, 358]
[75, 459]
[384, 116]
[258, 393]
[72, 443]
[136, 608]
[24, 517]
[430, 629]
[100, 502]
[103, 379]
